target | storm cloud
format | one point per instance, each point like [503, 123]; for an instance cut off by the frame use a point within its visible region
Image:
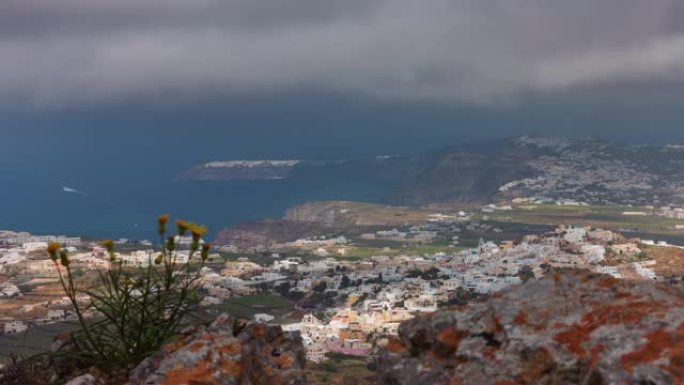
[103, 51]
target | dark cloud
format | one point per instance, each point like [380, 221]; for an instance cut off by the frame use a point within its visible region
[76, 51]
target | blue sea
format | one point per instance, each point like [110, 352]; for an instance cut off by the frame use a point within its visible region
[123, 161]
[117, 191]
[120, 168]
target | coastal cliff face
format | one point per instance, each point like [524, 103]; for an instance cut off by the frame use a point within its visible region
[566, 329]
[241, 169]
[227, 353]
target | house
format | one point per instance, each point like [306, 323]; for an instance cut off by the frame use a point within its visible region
[594, 253]
[263, 318]
[9, 290]
[14, 327]
[644, 271]
[56, 315]
[626, 249]
[575, 234]
[609, 270]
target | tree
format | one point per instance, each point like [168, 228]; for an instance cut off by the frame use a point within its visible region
[320, 287]
[525, 273]
[283, 289]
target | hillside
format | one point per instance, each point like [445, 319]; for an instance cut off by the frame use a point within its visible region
[589, 170]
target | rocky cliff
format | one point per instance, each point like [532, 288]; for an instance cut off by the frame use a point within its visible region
[241, 169]
[566, 329]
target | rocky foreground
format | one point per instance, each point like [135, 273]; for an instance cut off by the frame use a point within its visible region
[571, 328]
[566, 329]
[226, 353]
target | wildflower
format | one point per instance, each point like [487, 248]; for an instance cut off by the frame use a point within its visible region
[162, 220]
[171, 243]
[182, 227]
[197, 232]
[158, 260]
[64, 259]
[205, 251]
[52, 249]
[108, 244]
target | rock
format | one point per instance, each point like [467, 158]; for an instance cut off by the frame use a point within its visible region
[574, 328]
[86, 379]
[226, 353]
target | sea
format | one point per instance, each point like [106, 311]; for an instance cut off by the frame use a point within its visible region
[117, 192]
[120, 164]
[109, 177]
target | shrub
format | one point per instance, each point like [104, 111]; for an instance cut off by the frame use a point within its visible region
[135, 309]
[329, 366]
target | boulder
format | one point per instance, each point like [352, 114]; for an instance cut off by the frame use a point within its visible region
[227, 353]
[574, 328]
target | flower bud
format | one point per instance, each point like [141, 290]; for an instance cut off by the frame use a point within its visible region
[161, 223]
[158, 260]
[182, 227]
[171, 243]
[52, 249]
[108, 244]
[64, 259]
[205, 251]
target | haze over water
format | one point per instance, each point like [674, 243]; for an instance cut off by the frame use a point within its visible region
[125, 161]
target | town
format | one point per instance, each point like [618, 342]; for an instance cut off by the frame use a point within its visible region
[341, 303]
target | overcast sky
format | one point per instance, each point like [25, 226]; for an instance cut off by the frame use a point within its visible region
[79, 52]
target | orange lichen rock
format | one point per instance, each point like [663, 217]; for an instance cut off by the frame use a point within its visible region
[216, 355]
[449, 338]
[568, 328]
[660, 344]
[395, 345]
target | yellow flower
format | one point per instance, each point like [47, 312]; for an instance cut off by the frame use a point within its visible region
[52, 249]
[197, 232]
[108, 244]
[182, 227]
[158, 259]
[162, 220]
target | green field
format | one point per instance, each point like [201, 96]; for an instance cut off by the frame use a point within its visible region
[247, 306]
[395, 248]
[35, 340]
[341, 370]
[603, 216]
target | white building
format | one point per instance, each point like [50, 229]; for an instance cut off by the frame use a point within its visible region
[14, 327]
[594, 253]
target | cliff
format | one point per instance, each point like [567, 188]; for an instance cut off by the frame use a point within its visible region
[566, 329]
[241, 169]
[266, 233]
